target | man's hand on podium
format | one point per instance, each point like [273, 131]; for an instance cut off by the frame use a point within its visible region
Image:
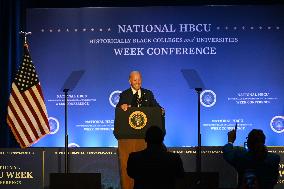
[124, 107]
[163, 111]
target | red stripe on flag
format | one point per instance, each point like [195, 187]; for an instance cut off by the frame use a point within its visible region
[40, 92]
[19, 122]
[20, 105]
[15, 132]
[32, 110]
[38, 105]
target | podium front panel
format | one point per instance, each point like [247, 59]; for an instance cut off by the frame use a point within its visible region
[133, 123]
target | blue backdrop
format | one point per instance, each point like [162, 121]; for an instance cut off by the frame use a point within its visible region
[236, 50]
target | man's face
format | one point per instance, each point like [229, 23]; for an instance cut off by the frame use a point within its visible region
[135, 81]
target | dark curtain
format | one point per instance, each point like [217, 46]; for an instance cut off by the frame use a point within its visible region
[11, 23]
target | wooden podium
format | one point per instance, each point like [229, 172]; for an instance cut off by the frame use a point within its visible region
[129, 129]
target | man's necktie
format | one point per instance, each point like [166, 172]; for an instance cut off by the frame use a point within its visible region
[134, 102]
[139, 101]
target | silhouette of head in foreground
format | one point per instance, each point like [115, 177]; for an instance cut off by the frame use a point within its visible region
[154, 135]
[154, 167]
[256, 143]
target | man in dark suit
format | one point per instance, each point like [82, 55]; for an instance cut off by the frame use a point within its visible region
[154, 167]
[136, 96]
[257, 168]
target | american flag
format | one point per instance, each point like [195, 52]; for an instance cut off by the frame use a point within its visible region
[27, 115]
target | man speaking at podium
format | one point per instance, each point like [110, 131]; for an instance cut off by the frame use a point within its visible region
[135, 96]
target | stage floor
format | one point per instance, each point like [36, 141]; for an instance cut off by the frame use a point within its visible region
[31, 167]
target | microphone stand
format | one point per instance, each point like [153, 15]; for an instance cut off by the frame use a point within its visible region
[66, 133]
[198, 149]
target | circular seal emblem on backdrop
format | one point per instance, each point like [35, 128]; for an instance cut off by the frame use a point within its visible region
[73, 145]
[137, 120]
[114, 98]
[53, 125]
[277, 124]
[208, 98]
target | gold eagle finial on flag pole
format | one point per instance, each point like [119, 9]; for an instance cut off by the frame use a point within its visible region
[25, 34]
